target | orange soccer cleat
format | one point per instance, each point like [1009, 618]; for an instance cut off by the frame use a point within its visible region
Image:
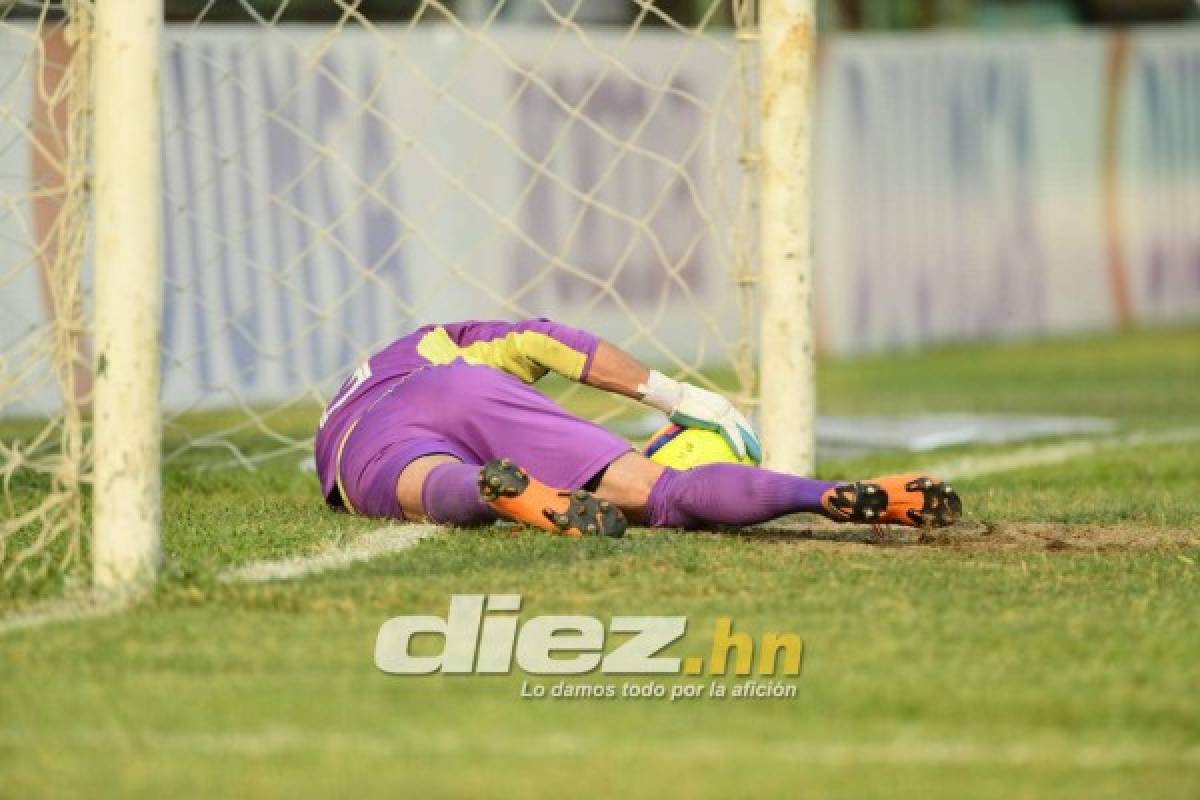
[918, 501]
[515, 495]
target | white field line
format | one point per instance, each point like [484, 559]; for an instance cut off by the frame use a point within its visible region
[382, 542]
[77, 605]
[903, 751]
[1059, 453]
[85, 605]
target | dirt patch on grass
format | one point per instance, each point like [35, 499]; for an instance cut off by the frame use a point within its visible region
[1050, 536]
[987, 536]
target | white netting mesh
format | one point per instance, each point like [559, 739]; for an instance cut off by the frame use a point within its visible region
[338, 172]
[43, 232]
[330, 186]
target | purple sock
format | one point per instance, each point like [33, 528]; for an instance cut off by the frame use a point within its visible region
[450, 495]
[729, 494]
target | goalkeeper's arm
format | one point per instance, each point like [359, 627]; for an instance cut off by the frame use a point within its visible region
[532, 348]
[614, 370]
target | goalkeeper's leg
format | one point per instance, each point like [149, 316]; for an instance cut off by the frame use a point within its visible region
[443, 489]
[733, 494]
[448, 491]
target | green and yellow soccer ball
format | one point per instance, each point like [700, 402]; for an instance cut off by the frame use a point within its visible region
[683, 448]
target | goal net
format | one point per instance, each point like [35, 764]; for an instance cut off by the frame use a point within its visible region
[45, 369]
[331, 185]
[337, 173]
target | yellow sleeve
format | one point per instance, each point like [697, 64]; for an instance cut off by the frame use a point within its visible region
[528, 354]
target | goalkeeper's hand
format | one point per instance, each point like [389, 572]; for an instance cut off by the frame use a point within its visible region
[694, 407]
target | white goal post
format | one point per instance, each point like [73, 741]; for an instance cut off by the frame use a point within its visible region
[275, 188]
[787, 346]
[127, 190]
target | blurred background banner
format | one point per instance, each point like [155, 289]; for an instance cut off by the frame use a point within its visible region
[969, 187]
[975, 187]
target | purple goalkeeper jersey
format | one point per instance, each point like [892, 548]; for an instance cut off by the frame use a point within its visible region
[527, 350]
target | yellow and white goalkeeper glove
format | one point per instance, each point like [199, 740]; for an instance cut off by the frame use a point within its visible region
[693, 407]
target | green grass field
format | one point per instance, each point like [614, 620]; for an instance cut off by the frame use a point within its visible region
[1047, 646]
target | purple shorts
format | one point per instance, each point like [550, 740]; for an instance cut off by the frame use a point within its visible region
[476, 414]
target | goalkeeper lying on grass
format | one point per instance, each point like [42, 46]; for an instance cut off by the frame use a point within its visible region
[443, 425]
